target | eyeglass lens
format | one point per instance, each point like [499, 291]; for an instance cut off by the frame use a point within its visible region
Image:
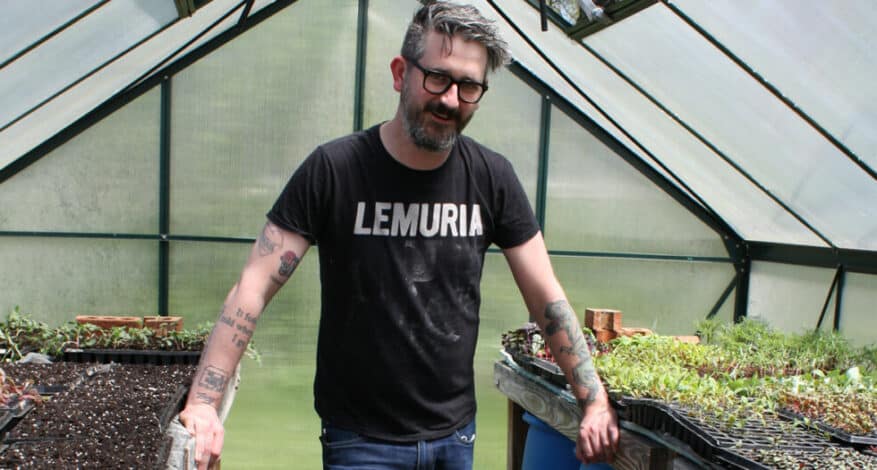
[438, 83]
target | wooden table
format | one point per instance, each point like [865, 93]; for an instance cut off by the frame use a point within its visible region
[638, 447]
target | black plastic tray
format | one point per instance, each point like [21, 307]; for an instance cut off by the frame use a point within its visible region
[838, 434]
[547, 370]
[716, 442]
[131, 356]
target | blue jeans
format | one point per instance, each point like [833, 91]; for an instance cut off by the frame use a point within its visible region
[347, 450]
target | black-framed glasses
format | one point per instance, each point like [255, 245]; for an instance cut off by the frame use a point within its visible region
[438, 83]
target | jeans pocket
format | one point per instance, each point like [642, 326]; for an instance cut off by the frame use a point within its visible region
[337, 437]
[466, 434]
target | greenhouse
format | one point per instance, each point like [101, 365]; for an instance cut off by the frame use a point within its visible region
[689, 163]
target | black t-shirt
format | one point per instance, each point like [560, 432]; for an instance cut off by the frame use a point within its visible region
[401, 254]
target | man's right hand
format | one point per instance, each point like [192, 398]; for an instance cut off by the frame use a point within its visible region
[203, 423]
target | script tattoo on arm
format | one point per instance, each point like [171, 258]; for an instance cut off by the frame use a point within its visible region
[244, 332]
[561, 318]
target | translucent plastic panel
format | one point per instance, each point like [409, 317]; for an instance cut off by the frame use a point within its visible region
[756, 130]
[101, 84]
[214, 9]
[78, 50]
[669, 297]
[820, 54]
[55, 279]
[789, 297]
[858, 320]
[103, 180]
[25, 23]
[508, 121]
[246, 115]
[502, 309]
[598, 202]
[273, 415]
[387, 22]
[747, 210]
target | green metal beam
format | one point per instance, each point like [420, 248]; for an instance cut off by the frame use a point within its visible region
[859, 261]
[164, 184]
[542, 170]
[838, 301]
[834, 281]
[741, 299]
[361, 52]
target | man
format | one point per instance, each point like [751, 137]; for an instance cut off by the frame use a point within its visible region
[403, 214]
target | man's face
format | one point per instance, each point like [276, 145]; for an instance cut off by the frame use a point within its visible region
[434, 121]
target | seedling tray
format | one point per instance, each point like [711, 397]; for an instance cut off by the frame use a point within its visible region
[547, 370]
[17, 407]
[838, 434]
[131, 356]
[717, 442]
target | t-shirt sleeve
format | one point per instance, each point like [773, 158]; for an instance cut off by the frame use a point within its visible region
[300, 208]
[515, 221]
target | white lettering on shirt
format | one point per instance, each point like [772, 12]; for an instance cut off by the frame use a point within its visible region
[397, 219]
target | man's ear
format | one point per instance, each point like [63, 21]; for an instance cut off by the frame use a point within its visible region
[397, 67]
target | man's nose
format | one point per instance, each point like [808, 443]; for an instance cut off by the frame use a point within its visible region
[450, 97]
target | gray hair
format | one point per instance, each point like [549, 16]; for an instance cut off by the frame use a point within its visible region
[451, 19]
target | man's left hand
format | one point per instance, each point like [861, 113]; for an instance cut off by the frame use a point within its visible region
[598, 433]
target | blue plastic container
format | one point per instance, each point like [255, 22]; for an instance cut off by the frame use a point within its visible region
[547, 449]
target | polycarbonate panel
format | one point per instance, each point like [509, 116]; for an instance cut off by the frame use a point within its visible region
[746, 209]
[598, 202]
[92, 90]
[508, 121]
[740, 117]
[858, 321]
[551, 45]
[26, 23]
[273, 414]
[78, 50]
[789, 297]
[245, 116]
[387, 21]
[231, 20]
[668, 297]
[103, 180]
[502, 309]
[54, 279]
[820, 54]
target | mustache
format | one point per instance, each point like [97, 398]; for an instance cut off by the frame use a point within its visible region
[440, 108]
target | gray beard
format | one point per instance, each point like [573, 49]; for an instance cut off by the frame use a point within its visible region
[418, 133]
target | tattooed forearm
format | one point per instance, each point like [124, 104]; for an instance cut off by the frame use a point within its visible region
[213, 379]
[205, 398]
[269, 240]
[243, 323]
[560, 318]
